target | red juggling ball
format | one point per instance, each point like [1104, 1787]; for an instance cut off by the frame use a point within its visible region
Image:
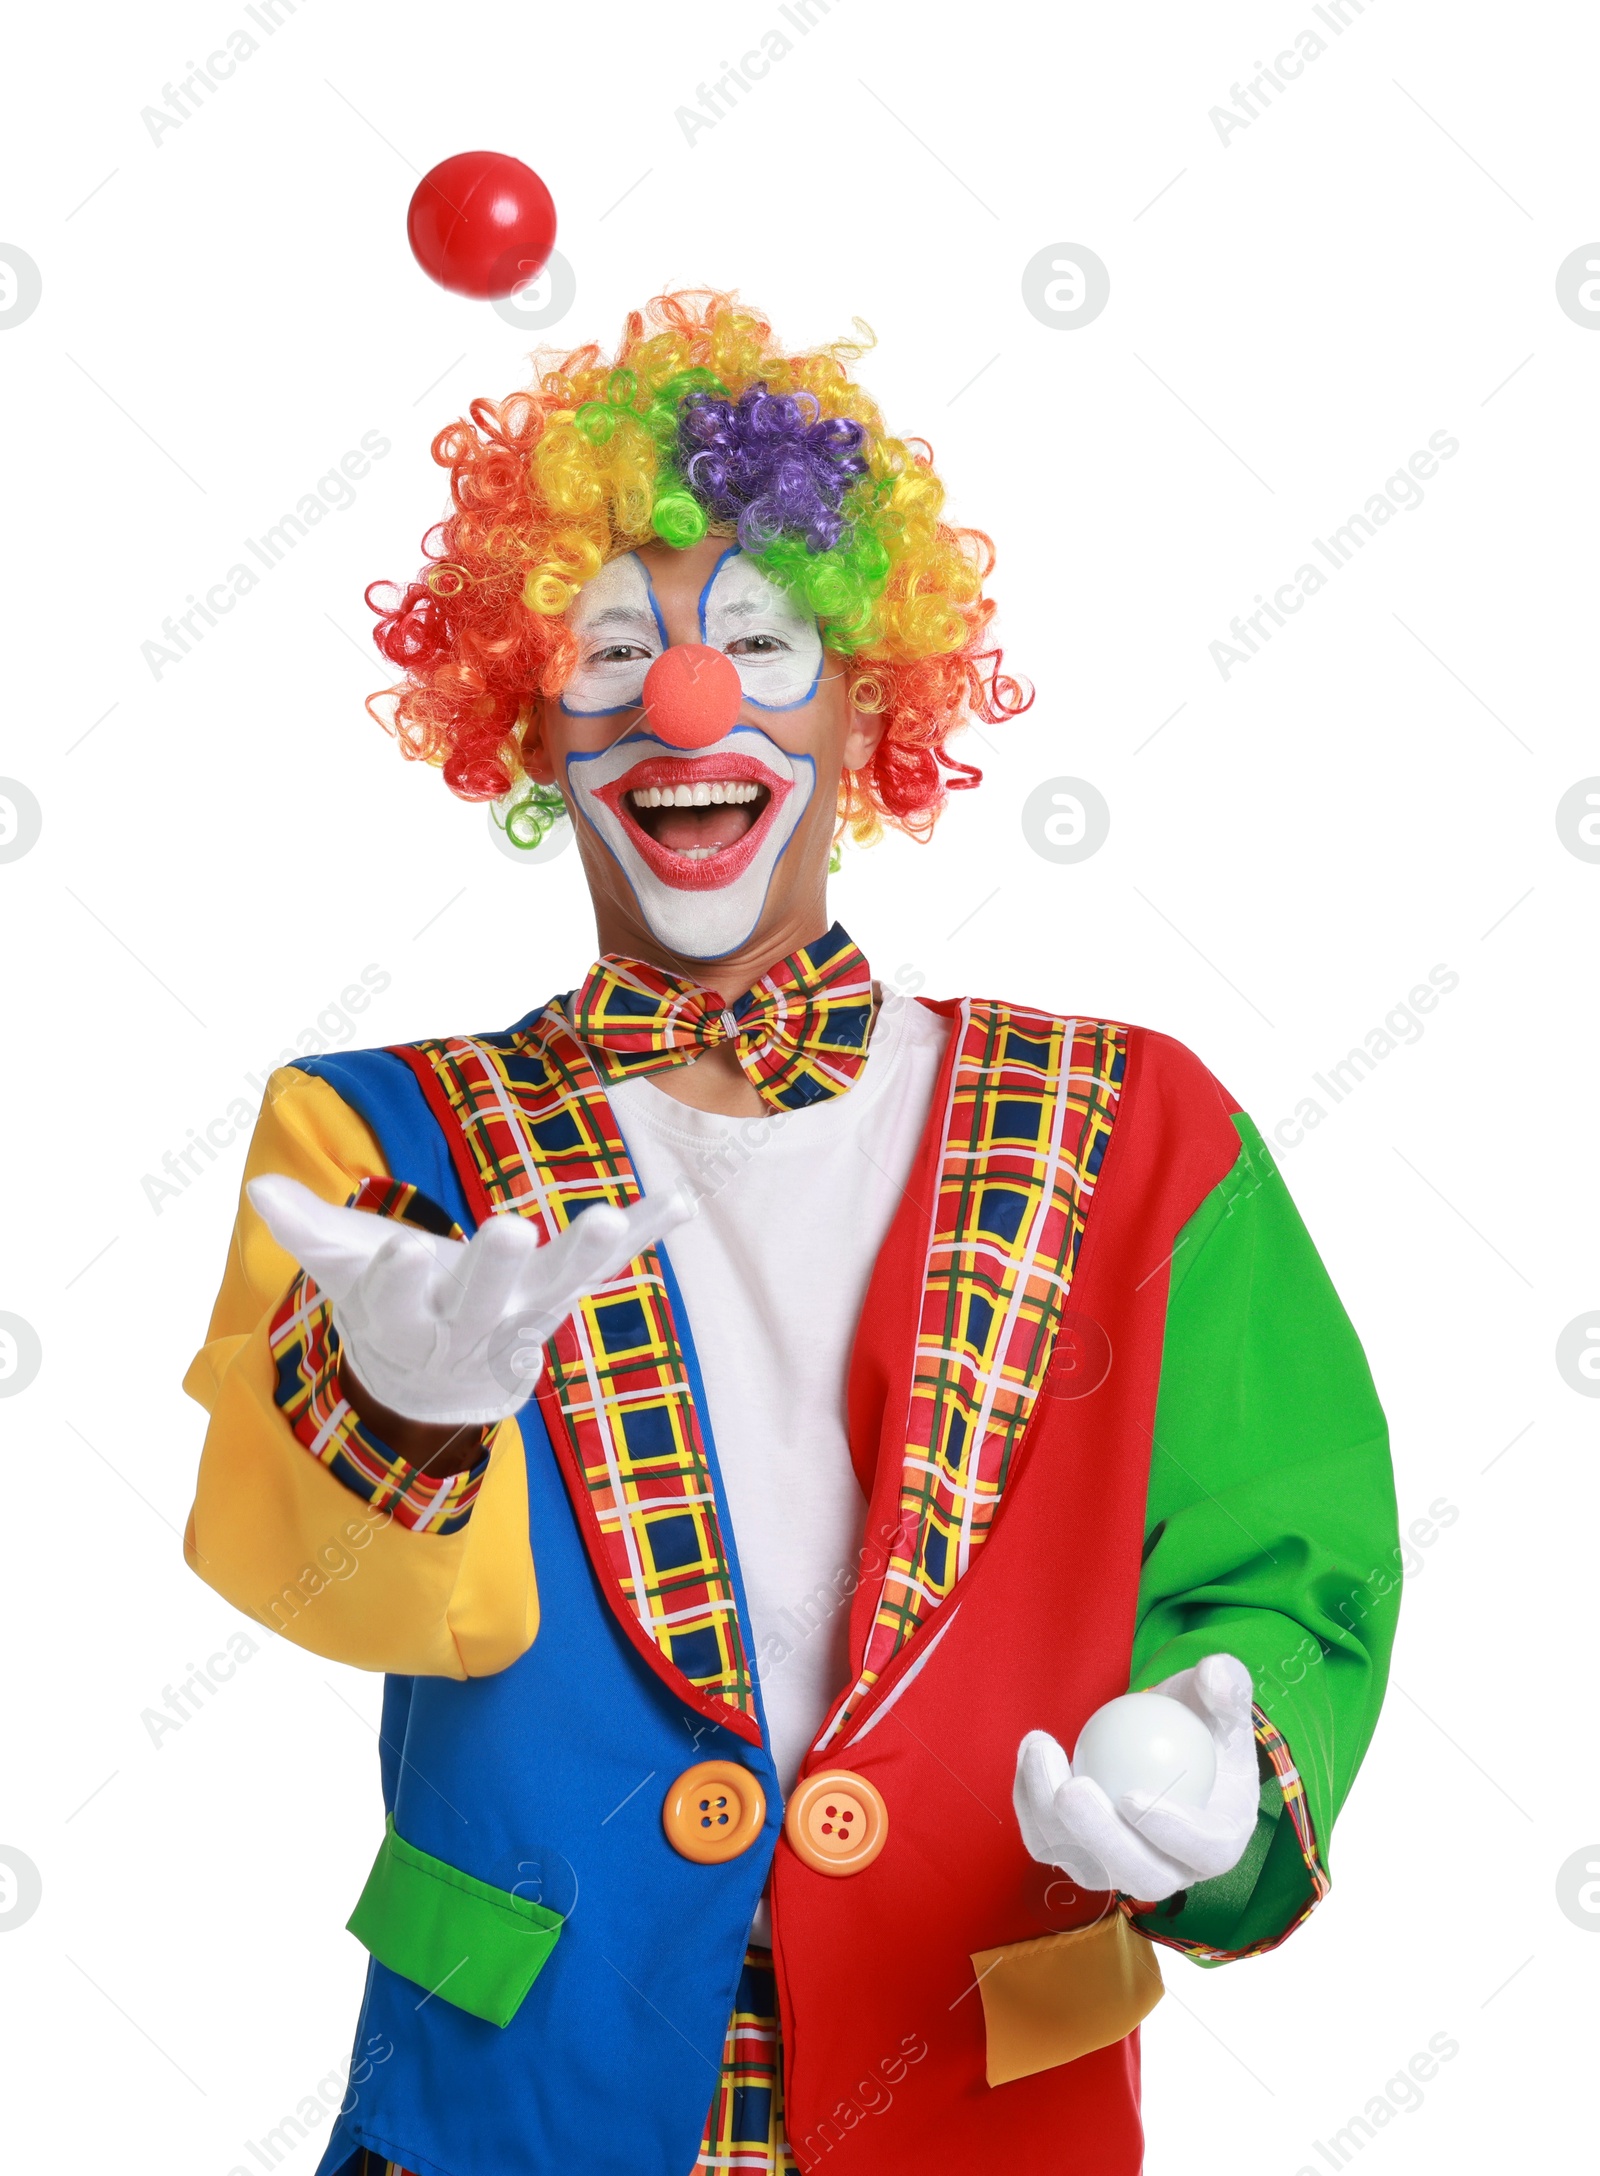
[481, 224]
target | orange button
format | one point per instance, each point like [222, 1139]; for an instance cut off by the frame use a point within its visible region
[714, 1811]
[837, 1822]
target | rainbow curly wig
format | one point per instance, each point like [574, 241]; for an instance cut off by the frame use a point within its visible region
[701, 425]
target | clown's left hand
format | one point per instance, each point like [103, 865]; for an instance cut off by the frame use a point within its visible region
[1145, 1846]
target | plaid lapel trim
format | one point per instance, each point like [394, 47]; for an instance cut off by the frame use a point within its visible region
[1032, 1102]
[533, 1133]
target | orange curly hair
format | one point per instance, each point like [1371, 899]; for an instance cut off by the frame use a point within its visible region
[549, 484]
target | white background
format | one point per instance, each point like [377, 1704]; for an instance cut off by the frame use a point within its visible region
[1292, 314]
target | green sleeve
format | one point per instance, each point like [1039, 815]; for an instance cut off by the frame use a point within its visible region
[1270, 1535]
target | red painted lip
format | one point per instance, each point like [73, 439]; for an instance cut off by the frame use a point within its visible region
[720, 869]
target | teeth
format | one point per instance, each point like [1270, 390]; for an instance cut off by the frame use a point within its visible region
[704, 793]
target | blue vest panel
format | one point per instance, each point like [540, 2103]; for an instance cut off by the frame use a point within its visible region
[548, 1780]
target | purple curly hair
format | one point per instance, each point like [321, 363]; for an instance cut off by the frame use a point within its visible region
[772, 464]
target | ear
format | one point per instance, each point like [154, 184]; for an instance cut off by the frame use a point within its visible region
[536, 757]
[866, 730]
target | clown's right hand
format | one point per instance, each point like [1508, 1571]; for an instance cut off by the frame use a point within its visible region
[449, 1331]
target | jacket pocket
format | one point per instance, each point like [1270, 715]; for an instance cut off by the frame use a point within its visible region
[1049, 2001]
[474, 1946]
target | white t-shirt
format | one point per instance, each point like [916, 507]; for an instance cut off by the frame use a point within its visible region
[773, 1271]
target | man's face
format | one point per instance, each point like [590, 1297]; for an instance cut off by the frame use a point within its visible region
[713, 851]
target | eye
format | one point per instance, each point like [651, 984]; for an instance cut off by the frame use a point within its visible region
[757, 646]
[618, 653]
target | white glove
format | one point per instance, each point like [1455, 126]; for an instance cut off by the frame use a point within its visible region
[1146, 1846]
[450, 1330]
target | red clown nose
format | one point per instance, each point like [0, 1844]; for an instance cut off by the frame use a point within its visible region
[692, 695]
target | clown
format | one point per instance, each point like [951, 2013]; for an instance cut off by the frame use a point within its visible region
[755, 1419]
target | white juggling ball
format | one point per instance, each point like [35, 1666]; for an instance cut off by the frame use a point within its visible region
[1146, 1742]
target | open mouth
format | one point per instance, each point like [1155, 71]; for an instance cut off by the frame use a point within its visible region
[697, 822]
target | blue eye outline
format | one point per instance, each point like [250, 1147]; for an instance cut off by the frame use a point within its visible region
[736, 551]
[616, 710]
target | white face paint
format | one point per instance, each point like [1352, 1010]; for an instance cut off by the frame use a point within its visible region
[765, 629]
[701, 886]
[620, 636]
[697, 833]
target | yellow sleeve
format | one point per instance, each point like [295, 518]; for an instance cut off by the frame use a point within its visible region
[272, 1529]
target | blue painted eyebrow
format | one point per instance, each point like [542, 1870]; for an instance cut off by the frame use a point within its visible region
[731, 553]
[650, 592]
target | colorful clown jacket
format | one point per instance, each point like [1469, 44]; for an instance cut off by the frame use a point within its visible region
[1108, 1417]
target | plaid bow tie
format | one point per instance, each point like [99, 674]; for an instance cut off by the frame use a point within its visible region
[800, 1035]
